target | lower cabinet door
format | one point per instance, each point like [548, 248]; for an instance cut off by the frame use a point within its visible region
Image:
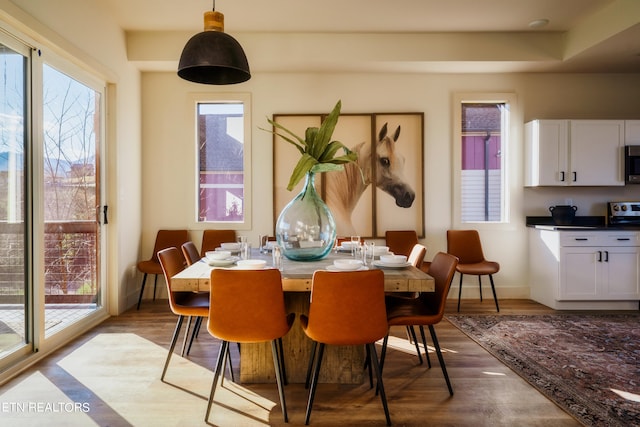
[580, 273]
[621, 277]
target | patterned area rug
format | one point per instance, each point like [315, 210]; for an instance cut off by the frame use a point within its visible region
[589, 365]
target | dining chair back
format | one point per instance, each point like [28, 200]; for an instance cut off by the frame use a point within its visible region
[346, 308]
[183, 304]
[190, 252]
[401, 242]
[164, 239]
[249, 308]
[427, 309]
[417, 254]
[212, 239]
[466, 245]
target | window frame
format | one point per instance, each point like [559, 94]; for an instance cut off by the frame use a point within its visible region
[240, 97]
[508, 153]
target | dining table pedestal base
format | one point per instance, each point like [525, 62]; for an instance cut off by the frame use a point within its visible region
[340, 364]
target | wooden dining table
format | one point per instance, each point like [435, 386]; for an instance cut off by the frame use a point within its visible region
[340, 364]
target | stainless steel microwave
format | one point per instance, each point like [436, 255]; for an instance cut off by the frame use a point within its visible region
[632, 164]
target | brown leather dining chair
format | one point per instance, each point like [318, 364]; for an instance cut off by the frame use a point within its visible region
[191, 255]
[427, 309]
[164, 239]
[248, 308]
[401, 242]
[416, 258]
[466, 245]
[346, 308]
[183, 304]
[190, 252]
[212, 239]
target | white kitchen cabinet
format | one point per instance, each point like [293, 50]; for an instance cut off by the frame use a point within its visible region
[574, 152]
[599, 273]
[597, 269]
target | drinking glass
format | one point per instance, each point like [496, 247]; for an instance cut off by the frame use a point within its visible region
[262, 243]
[276, 255]
[355, 245]
[368, 252]
[245, 251]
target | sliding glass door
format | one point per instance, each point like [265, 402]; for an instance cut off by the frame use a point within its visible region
[14, 301]
[71, 171]
[51, 208]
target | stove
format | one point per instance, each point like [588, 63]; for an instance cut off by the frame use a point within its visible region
[623, 214]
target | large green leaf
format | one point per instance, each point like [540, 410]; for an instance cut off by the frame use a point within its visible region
[326, 131]
[304, 165]
[319, 153]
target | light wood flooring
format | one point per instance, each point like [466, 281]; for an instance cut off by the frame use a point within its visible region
[487, 393]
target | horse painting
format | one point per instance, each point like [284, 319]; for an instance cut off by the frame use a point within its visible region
[343, 189]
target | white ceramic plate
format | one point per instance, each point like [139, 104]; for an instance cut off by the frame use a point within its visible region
[232, 252]
[391, 265]
[334, 268]
[236, 267]
[221, 262]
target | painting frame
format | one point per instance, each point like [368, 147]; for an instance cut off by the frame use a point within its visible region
[395, 201]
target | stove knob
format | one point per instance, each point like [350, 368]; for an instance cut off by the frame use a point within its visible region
[616, 207]
[624, 207]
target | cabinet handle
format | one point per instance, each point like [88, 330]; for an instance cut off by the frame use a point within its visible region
[599, 256]
[623, 239]
[606, 256]
[581, 239]
[562, 176]
[575, 176]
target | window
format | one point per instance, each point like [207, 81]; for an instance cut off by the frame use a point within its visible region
[482, 129]
[224, 172]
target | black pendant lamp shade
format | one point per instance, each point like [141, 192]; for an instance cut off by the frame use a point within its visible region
[212, 56]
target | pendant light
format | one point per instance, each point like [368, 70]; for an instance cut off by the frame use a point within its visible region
[213, 57]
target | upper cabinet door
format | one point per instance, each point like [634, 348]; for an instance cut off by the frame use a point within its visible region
[574, 153]
[596, 148]
[547, 149]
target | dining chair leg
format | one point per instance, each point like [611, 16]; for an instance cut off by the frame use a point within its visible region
[186, 336]
[174, 339]
[314, 383]
[493, 288]
[144, 282]
[229, 364]
[411, 331]
[279, 377]
[426, 349]
[283, 368]
[222, 355]
[460, 292]
[383, 352]
[380, 388]
[440, 358]
[194, 334]
[155, 286]
[312, 357]
[367, 366]
[480, 286]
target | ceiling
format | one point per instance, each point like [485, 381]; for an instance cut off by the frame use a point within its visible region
[591, 35]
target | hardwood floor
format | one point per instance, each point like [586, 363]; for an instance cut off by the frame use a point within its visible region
[487, 393]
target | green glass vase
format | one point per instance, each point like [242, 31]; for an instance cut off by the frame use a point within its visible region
[305, 229]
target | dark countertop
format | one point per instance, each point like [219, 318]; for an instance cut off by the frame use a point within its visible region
[579, 223]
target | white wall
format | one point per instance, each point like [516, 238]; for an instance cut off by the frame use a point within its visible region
[86, 33]
[168, 150]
